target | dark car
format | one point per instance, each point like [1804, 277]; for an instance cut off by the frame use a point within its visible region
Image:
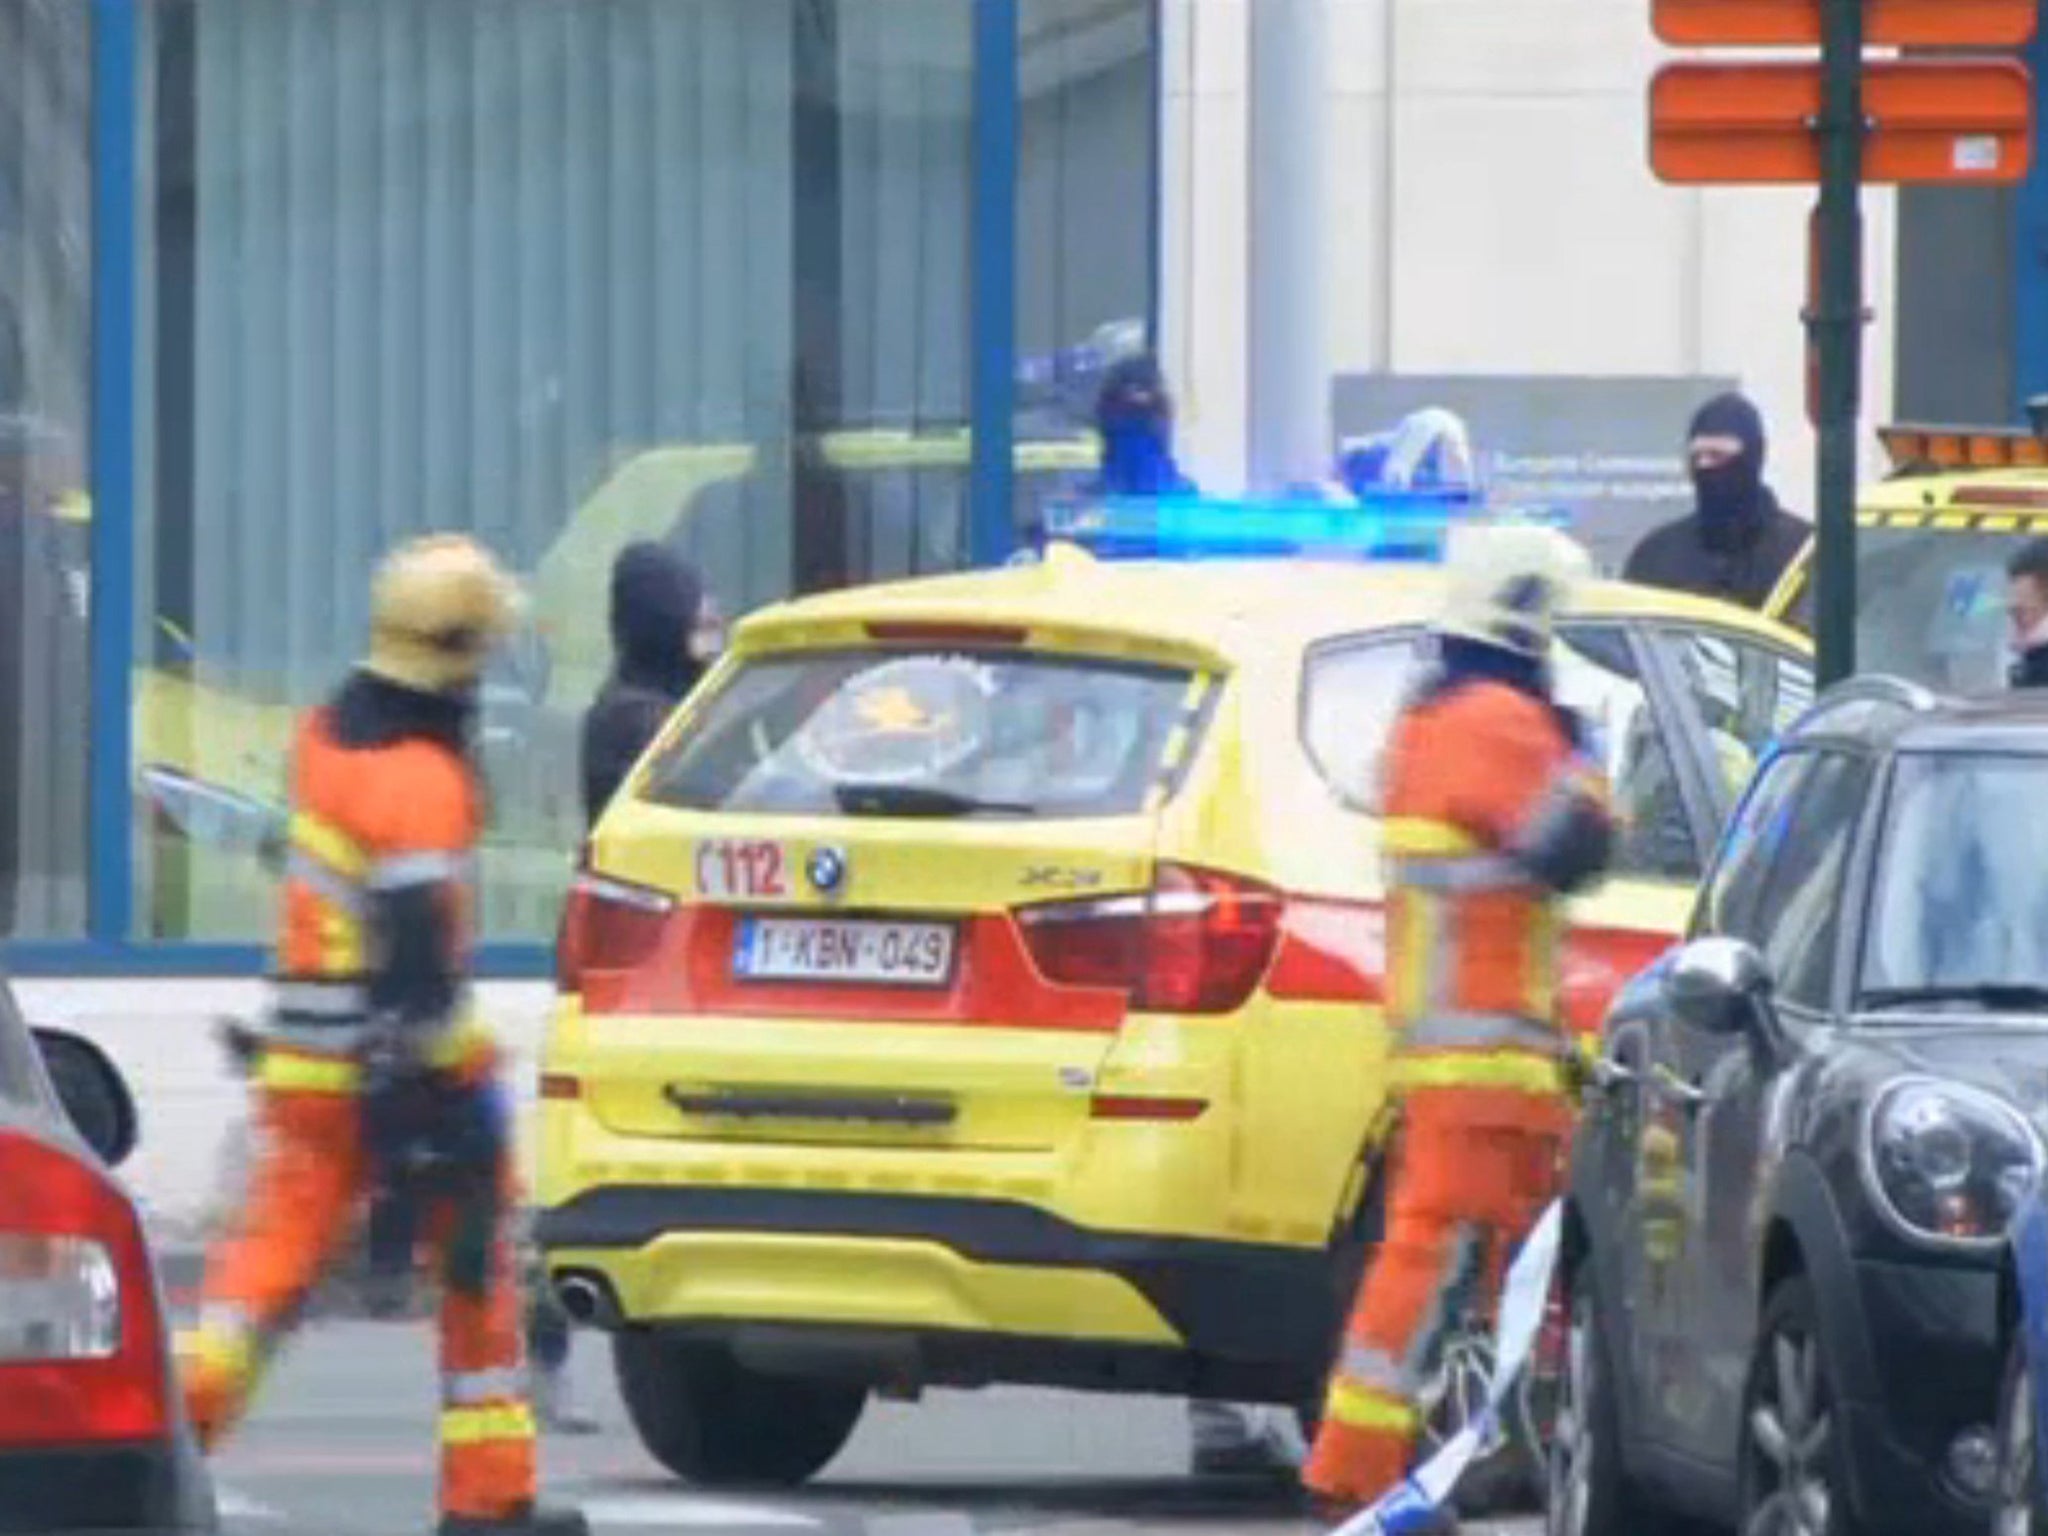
[92, 1435]
[1813, 1123]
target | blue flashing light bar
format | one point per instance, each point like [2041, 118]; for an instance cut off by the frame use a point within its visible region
[1411, 525]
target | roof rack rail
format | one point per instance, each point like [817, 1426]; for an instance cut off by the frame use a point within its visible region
[1858, 703]
[1882, 688]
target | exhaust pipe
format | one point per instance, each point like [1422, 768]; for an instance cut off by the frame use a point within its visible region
[584, 1300]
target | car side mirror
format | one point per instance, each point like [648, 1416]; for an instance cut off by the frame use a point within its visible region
[92, 1091]
[1720, 986]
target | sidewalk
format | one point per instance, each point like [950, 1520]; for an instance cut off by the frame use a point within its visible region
[160, 1034]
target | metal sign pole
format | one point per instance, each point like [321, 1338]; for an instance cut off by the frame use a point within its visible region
[1836, 333]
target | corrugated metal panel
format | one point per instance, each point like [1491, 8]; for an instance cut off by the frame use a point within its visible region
[459, 261]
[455, 258]
[1084, 154]
[1956, 338]
[45, 273]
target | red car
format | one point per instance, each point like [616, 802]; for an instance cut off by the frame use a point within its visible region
[92, 1435]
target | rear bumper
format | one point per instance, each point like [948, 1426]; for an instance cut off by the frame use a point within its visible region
[133, 1490]
[942, 1265]
[904, 1361]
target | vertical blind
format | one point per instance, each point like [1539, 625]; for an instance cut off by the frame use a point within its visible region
[561, 272]
[534, 269]
[455, 260]
[45, 274]
[1085, 153]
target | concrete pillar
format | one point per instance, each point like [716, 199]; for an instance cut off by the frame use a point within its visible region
[1205, 78]
[1288, 426]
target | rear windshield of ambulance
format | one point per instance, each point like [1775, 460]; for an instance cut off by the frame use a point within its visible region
[937, 733]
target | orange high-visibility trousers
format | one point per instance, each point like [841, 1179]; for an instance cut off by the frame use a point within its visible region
[1465, 1193]
[306, 1196]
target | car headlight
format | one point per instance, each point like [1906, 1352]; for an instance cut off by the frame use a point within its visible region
[1947, 1163]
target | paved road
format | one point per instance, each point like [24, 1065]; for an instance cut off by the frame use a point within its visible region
[340, 1446]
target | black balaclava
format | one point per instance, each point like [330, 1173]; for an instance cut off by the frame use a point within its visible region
[369, 710]
[656, 595]
[1135, 418]
[1729, 496]
[1465, 660]
[1461, 660]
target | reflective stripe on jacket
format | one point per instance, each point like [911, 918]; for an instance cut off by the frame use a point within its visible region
[1483, 791]
[381, 835]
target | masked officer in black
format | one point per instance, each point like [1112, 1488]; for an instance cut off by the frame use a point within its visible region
[665, 632]
[1737, 540]
[1134, 417]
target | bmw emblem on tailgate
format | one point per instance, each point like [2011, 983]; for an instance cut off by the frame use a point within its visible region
[827, 870]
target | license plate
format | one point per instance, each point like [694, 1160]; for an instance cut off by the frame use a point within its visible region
[845, 949]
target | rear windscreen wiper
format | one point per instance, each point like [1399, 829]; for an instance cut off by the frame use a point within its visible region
[2016, 995]
[858, 799]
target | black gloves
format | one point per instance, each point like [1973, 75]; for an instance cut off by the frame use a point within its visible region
[431, 1139]
[1573, 724]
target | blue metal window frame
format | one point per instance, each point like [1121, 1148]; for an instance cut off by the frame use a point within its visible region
[993, 244]
[110, 947]
[116, 94]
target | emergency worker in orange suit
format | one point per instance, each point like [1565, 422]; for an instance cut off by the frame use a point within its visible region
[374, 1076]
[1493, 813]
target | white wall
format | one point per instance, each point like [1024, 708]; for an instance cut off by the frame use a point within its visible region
[1491, 210]
[1202, 229]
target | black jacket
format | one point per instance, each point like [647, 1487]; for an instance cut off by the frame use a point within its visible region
[1745, 567]
[1738, 540]
[655, 601]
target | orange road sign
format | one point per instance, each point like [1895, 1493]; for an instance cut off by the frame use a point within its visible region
[1932, 120]
[1886, 23]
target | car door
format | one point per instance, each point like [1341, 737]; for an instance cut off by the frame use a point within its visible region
[1719, 1096]
[1666, 816]
[1791, 601]
[1739, 693]
[1660, 1234]
[1313, 1068]
[1352, 687]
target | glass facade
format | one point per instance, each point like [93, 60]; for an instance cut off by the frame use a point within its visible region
[558, 273]
[45, 595]
[1087, 136]
[1087, 140]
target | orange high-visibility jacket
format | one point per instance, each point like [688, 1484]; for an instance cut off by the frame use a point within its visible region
[376, 913]
[1491, 817]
